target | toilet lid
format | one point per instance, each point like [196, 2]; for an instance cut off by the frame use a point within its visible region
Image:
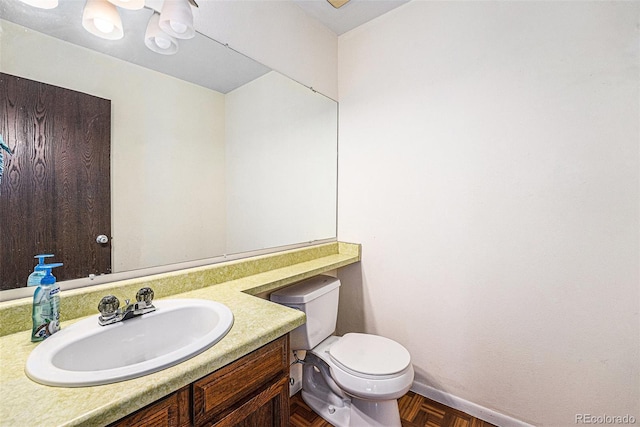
[370, 354]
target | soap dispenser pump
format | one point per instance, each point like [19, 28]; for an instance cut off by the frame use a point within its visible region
[36, 276]
[46, 304]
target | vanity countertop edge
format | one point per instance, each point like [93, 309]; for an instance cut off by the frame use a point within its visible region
[257, 322]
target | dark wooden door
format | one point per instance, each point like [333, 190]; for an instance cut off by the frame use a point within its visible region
[55, 189]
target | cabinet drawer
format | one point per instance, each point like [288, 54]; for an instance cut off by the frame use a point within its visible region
[229, 386]
[171, 411]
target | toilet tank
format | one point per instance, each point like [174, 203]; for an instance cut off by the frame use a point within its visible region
[318, 299]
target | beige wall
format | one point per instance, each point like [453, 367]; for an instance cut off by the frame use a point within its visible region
[159, 164]
[489, 165]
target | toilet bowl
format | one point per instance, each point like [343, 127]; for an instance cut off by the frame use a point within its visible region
[353, 380]
[354, 391]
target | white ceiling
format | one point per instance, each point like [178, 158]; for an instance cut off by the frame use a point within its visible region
[349, 16]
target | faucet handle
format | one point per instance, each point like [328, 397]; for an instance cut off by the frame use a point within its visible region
[145, 294]
[108, 306]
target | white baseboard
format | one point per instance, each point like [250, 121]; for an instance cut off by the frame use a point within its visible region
[467, 407]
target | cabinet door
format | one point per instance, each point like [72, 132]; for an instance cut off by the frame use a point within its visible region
[269, 408]
[171, 411]
[218, 394]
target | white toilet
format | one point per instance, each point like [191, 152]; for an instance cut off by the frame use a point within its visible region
[353, 380]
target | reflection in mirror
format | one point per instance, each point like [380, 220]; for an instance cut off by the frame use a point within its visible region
[196, 172]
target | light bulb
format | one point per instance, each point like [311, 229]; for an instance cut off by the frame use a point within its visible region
[162, 43]
[103, 25]
[176, 19]
[178, 27]
[157, 40]
[102, 19]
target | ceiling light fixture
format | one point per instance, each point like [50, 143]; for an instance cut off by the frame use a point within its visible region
[176, 19]
[42, 4]
[157, 40]
[102, 19]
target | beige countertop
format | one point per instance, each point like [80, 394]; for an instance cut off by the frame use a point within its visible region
[257, 321]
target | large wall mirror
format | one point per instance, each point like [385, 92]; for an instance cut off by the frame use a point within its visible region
[212, 154]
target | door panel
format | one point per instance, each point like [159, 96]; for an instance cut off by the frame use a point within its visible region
[55, 190]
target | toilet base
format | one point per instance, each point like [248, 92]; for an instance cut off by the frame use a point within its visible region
[325, 398]
[369, 413]
[356, 413]
[337, 416]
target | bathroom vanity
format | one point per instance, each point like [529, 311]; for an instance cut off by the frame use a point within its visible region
[252, 391]
[241, 380]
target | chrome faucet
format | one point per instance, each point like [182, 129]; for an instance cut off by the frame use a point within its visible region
[111, 313]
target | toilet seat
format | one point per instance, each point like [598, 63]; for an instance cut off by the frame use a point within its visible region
[369, 356]
[362, 385]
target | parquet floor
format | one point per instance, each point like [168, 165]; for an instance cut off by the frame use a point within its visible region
[415, 411]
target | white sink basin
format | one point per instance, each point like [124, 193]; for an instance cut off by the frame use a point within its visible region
[87, 354]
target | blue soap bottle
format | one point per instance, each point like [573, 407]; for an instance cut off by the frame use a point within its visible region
[36, 277]
[46, 305]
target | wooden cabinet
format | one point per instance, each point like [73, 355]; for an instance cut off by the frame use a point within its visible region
[170, 411]
[252, 391]
[259, 382]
